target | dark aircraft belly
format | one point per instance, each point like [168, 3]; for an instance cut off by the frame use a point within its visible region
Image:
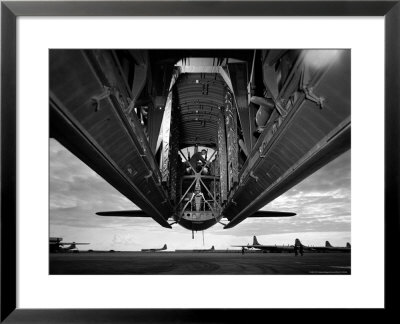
[197, 225]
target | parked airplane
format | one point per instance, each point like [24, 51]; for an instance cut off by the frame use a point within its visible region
[55, 245]
[327, 248]
[253, 123]
[197, 250]
[267, 248]
[204, 250]
[290, 248]
[331, 248]
[155, 250]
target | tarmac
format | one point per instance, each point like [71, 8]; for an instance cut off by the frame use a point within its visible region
[206, 263]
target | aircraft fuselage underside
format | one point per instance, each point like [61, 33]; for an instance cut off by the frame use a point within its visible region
[266, 119]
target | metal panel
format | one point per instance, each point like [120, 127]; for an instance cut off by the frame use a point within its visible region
[154, 125]
[175, 159]
[100, 132]
[307, 138]
[165, 135]
[238, 74]
[231, 140]
[199, 97]
[222, 155]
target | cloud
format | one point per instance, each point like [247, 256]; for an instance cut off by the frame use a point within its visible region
[322, 201]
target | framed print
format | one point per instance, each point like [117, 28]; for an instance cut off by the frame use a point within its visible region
[133, 68]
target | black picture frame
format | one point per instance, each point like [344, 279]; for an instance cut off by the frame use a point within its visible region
[10, 10]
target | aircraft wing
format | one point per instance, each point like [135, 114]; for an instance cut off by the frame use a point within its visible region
[261, 214]
[124, 213]
[277, 248]
[248, 246]
[267, 247]
[64, 243]
[265, 213]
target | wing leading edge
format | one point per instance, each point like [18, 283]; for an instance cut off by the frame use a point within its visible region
[141, 213]
[124, 213]
[265, 213]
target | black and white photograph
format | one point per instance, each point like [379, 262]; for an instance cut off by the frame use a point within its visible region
[200, 161]
[190, 161]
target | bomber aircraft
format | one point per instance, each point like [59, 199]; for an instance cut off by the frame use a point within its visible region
[155, 250]
[212, 249]
[327, 248]
[267, 248]
[55, 245]
[205, 250]
[199, 137]
[331, 248]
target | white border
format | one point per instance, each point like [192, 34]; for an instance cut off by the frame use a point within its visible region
[364, 288]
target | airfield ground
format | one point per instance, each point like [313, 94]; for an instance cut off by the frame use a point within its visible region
[165, 263]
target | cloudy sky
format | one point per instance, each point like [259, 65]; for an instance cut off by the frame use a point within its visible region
[322, 203]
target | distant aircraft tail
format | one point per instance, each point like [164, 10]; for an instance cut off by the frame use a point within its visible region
[212, 248]
[297, 242]
[327, 244]
[348, 245]
[255, 242]
[164, 247]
